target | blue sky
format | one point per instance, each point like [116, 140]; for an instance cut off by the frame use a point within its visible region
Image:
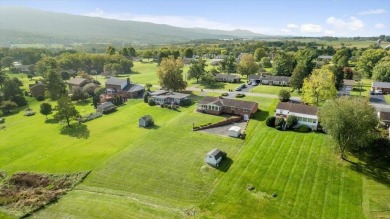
[277, 17]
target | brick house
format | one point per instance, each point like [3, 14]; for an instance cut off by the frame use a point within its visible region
[37, 89]
[217, 106]
[124, 87]
[306, 115]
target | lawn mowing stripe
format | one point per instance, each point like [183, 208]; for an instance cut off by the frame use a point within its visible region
[304, 180]
[275, 161]
[327, 194]
[290, 146]
[290, 175]
[307, 205]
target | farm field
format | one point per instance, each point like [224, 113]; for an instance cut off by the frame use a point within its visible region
[143, 173]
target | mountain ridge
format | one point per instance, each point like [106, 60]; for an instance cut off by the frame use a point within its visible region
[66, 28]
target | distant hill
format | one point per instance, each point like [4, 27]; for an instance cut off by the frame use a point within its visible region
[26, 25]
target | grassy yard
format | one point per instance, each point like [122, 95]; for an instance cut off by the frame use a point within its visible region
[269, 89]
[363, 90]
[160, 173]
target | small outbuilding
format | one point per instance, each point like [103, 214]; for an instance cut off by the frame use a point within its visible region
[106, 107]
[145, 121]
[234, 131]
[214, 157]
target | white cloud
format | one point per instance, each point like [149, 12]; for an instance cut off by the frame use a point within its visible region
[292, 26]
[373, 11]
[353, 23]
[380, 26]
[329, 32]
[311, 28]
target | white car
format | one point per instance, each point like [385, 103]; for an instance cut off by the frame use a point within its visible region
[378, 92]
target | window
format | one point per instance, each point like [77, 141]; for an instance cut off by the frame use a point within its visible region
[314, 120]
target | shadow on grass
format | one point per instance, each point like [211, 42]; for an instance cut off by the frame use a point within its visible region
[83, 103]
[51, 121]
[373, 165]
[135, 72]
[154, 127]
[76, 130]
[214, 85]
[225, 164]
[260, 115]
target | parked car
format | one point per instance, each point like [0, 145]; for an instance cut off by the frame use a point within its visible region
[243, 86]
[250, 83]
[378, 92]
[238, 89]
[254, 84]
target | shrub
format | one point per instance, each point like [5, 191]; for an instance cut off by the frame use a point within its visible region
[270, 122]
[2, 120]
[185, 102]
[291, 121]
[162, 105]
[90, 117]
[146, 97]
[169, 106]
[240, 95]
[279, 121]
[26, 93]
[151, 102]
[225, 94]
[19, 100]
[278, 127]
[40, 98]
[303, 128]
[284, 95]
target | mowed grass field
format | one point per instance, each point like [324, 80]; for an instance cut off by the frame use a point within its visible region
[160, 173]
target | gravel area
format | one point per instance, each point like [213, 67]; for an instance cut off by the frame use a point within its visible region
[223, 130]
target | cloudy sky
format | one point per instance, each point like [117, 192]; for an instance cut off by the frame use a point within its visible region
[272, 17]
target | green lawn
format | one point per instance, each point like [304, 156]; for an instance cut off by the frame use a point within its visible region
[363, 90]
[269, 89]
[160, 173]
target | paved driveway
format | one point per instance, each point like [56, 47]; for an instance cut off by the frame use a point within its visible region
[377, 99]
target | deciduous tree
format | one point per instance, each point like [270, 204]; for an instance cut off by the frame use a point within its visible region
[350, 121]
[319, 86]
[197, 70]
[247, 65]
[259, 54]
[283, 64]
[46, 109]
[381, 71]
[170, 74]
[369, 59]
[66, 110]
[55, 85]
[7, 61]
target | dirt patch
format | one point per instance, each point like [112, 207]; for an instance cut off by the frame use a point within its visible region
[23, 193]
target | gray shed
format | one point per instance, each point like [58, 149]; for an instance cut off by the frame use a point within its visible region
[145, 121]
[214, 157]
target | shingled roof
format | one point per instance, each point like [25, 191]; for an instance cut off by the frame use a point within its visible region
[227, 76]
[298, 108]
[228, 102]
[77, 81]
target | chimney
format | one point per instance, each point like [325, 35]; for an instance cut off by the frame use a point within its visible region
[128, 80]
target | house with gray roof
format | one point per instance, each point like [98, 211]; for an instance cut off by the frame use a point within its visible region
[168, 97]
[306, 115]
[106, 107]
[217, 106]
[124, 87]
[228, 78]
[270, 79]
[381, 86]
[77, 83]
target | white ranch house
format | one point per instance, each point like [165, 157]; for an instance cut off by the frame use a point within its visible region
[306, 115]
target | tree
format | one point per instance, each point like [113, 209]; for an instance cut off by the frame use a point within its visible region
[45, 64]
[148, 86]
[381, 71]
[319, 86]
[124, 52]
[7, 105]
[247, 65]
[89, 88]
[66, 110]
[55, 85]
[284, 95]
[369, 59]
[208, 77]
[7, 61]
[350, 121]
[146, 97]
[259, 54]
[79, 94]
[29, 76]
[11, 91]
[301, 71]
[170, 74]
[348, 73]
[291, 121]
[265, 62]
[147, 54]
[283, 64]
[338, 76]
[3, 78]
[110, 50]
[341, 57]
[65, 76]
[197, 70]
[230, 64]
[132, 52]
[189, 53]
[46, 109]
